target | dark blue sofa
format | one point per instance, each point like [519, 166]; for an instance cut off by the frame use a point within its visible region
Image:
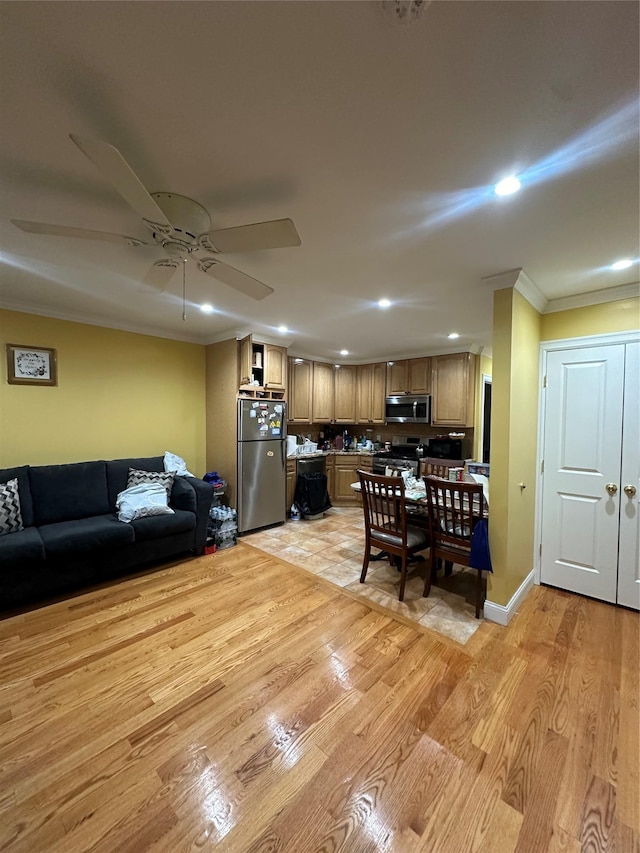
[72, 537]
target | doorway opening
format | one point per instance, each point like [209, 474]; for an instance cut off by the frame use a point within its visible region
[485, 442]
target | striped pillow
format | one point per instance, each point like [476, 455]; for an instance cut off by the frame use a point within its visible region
[165, 478]
[10, 515]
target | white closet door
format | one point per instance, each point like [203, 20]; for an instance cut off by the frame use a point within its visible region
[582, 447]
[629, 554]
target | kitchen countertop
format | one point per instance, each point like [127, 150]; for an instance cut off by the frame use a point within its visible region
[332, 453]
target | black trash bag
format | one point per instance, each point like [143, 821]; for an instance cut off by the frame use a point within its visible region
[311, 494]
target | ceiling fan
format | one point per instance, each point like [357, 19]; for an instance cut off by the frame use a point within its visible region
[179, 225]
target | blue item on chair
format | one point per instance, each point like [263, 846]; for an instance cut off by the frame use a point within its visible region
[480, 557]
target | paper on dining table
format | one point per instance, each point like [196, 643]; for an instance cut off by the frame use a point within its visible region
[484, 482]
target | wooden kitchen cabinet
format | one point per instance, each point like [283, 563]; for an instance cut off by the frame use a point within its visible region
[330, 470]
[419, 375]
[344, 394]
[300, 391]
[322, 408]
[370, 393]
[409, 376]
[397, 378]
[345, 473]
[453, 389]
[265, 363]
[292, 467]
[275, 368]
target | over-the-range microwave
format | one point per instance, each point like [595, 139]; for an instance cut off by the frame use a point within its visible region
[405, 409]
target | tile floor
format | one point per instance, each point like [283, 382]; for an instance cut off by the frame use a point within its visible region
[332, 546]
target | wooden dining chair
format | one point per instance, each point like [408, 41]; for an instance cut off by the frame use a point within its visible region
[434, 467]
[454, 510]
[386, 527]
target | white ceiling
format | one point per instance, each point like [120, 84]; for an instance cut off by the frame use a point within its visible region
[380, 138]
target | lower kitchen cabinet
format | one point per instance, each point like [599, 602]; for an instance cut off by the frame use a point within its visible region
[291, 482]
[331, 469]
[346, 467]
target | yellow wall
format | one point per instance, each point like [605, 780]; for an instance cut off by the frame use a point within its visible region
[514, 418]
[621, 316]
[119, 394]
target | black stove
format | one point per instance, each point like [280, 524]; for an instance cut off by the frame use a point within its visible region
[400, 455]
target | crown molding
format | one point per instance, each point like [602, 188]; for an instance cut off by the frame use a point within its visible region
[72, 317]
[517, 279]
[594, 297]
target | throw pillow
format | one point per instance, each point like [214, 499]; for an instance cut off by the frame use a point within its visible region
[175, 463]
[141, 501]
[165, 478]
[10, 515]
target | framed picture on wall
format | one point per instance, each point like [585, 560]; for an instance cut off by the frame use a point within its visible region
[31, 365]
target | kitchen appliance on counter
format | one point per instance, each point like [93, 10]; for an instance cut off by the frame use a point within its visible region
[406, 409]
[261, 463]
[444, 447]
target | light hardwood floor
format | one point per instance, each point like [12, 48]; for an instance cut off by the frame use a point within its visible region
[238, 703]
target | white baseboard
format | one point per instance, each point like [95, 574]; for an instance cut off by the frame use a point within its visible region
[503, 615]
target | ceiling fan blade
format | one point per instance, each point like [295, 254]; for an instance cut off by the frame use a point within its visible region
[115, 168]
[161, 273]
[234, 278]
[66, 231]
[275, 234]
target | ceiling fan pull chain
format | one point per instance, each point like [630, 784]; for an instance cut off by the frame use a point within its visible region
[184, 289]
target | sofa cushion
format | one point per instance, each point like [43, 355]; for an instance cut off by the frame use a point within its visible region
[21, 474]
[10, 515]
[118, 473]
[155, 527]
[21, 546]
[68, 492]
[183, 495]
[85, 534]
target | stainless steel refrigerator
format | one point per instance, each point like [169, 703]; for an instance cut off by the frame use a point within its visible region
[262, 463]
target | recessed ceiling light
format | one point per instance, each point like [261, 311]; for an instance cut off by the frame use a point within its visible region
[206, 308]
[283, 330]
[344, 352]
[453, 335]
[507, 186]
[384, 303]
[623, 264]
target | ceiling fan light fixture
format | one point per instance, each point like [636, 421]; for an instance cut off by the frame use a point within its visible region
[207, 308]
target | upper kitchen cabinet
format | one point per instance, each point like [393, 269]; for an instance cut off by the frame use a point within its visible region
[275, 368]
[370, 393]
[409, 376]
[453, 389]
[322, 406]
[344, 394]
[300, 391]
[264, 363]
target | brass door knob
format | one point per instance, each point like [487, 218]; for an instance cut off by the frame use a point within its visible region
[630, 491]
[611, 488]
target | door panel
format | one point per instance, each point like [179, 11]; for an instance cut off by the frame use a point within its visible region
[582, 447]
[629, 552]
